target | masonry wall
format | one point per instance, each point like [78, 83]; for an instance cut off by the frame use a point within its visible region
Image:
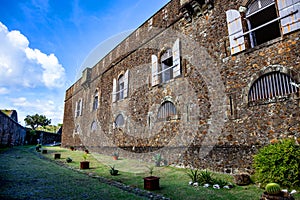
[216, 128]
[10, 131]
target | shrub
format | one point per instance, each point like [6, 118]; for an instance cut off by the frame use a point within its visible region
[113, 171]
[68, 159]
[193, 174]
[205, 177]
[279, 162]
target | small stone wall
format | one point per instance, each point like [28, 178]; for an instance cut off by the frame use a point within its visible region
[11, 132]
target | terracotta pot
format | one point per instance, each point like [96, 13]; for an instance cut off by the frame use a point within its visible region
[84, 165]
[151, 183]
[115, 157]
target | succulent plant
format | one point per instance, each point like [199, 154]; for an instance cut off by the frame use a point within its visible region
[273, 188]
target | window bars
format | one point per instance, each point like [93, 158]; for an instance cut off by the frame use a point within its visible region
[270, 86]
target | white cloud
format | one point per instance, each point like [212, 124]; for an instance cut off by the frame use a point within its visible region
[53, 73]
[3, 90]
[45, 107]
[22, 66]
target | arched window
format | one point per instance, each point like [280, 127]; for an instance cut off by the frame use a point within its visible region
[119, 121]
[166, 66]
[271, 86]
[166, 111]
[94, 126]
[169, 66]
[96, 100]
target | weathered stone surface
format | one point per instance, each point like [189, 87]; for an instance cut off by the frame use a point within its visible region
[11, 132]
[216, 127]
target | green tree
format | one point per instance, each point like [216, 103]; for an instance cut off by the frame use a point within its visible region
[36, 120]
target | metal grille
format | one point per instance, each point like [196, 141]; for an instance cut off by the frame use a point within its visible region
[119, 120]
[166, 110]
[271, 85]
[258, 5]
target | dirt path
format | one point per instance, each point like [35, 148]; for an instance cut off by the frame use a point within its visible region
[23, 175]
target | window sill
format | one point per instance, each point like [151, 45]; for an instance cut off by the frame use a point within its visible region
[263, 45]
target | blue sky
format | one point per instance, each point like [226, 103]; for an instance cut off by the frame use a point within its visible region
[44, 45]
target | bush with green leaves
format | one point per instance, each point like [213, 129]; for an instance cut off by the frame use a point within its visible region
[205, 177]
[279, 163]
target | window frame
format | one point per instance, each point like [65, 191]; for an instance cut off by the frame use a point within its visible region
[288, 17]
[96, 100]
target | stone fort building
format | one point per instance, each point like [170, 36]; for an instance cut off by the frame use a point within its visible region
[204, 83]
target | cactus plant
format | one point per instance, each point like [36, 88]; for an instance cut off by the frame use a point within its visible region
[273, 188]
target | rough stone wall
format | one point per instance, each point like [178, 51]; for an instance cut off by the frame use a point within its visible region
[10, 131]
[215, 127]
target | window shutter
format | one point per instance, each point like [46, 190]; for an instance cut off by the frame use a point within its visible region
[154, 70]
[76, 107]
[292, 22]
[80, 108]
[235, 29]
[176, 59]
[114, 96]
[126, 76]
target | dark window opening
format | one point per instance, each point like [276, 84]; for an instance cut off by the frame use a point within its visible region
[96, 99]
[166, 66]
[262, 13]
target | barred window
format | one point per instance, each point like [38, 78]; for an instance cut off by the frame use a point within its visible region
[166, 111]
[271, 86]
[119, 122]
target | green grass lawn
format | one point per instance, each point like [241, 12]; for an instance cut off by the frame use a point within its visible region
[23, 175]
[173, 181]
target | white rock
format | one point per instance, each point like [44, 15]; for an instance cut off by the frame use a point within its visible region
[293, 191]
[191, 183]
[216, 186]
[206, 185]
[226, 187]
[195, 184]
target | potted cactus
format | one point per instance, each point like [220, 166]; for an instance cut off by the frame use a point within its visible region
[115, 155]
[273, 192]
